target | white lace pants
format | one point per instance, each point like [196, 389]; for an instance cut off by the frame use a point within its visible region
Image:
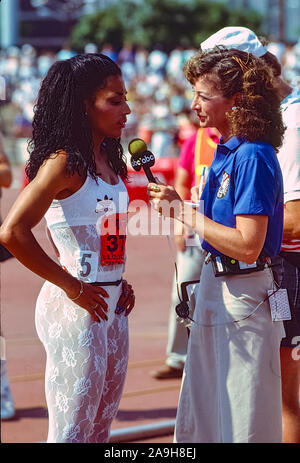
[86, 365]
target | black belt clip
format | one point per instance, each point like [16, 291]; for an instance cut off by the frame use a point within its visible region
[224, 265]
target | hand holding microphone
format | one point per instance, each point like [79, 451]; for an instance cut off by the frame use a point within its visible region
[161, 195]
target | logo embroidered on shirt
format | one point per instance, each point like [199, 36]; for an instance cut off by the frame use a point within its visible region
[222, 191]
[105, 205]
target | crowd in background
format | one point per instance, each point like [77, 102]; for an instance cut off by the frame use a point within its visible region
[158, 94]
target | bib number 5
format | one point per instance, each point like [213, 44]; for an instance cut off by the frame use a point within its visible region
[87, 267]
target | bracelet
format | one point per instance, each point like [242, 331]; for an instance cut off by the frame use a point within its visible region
[80, 292]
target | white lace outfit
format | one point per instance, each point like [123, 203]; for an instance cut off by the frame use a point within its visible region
[86, 360]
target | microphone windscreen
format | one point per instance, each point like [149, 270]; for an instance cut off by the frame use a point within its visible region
[137, 146]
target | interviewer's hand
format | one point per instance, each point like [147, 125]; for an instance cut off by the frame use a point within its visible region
[165, 200]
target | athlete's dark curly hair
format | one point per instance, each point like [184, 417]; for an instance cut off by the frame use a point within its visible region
[257, 115]
[60, 121]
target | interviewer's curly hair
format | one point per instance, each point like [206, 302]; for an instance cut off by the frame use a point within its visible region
[256, 116]
[60, 121]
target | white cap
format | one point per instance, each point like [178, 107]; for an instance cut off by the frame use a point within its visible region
[235, 37]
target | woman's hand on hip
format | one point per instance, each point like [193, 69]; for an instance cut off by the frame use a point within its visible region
[90, 298]
[127, 299]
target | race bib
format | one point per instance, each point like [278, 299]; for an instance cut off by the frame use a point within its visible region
[113, 238]
[86, 265]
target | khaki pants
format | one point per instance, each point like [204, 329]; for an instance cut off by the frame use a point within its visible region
[231, 387]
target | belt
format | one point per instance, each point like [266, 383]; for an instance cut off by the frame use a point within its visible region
[224, 265]
[107, 283]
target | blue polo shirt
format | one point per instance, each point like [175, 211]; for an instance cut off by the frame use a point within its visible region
[245, 178]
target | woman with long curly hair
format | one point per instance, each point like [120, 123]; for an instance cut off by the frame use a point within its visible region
[231, 390]
[75, 173]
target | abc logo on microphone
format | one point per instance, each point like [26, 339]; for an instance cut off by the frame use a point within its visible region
[141, 157]
[136, 164]
[147, 159]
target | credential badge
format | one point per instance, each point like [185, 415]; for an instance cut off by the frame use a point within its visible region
[222, 191]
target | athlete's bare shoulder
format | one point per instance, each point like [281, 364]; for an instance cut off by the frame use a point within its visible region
[53, 173]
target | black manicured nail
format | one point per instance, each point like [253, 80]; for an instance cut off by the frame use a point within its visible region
[119, 309]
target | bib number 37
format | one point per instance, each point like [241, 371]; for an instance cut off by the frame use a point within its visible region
[113, 238]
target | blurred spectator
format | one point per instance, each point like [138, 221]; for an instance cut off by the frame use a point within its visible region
[277, 48]
[157, 90]
[65, 53]
[44, 62]
[91, 48]
[157, 61]
[109, 51]
[126, 54]
[10, 65]
[141, 60]
[291, 64]
[164, 126]
[297, 49]
[7, 403]
[23, 98]
[27, 62]
[174, 64]
[178, 101]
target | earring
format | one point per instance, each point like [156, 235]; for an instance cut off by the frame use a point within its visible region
[234, 108]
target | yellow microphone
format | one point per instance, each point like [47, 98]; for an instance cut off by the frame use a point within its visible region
[141, 157]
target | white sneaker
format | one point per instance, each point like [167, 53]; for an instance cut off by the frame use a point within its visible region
[7, 403]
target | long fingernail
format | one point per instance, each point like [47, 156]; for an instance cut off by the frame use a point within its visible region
[119, 309]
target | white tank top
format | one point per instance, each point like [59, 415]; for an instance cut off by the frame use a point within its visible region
[89, 230]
